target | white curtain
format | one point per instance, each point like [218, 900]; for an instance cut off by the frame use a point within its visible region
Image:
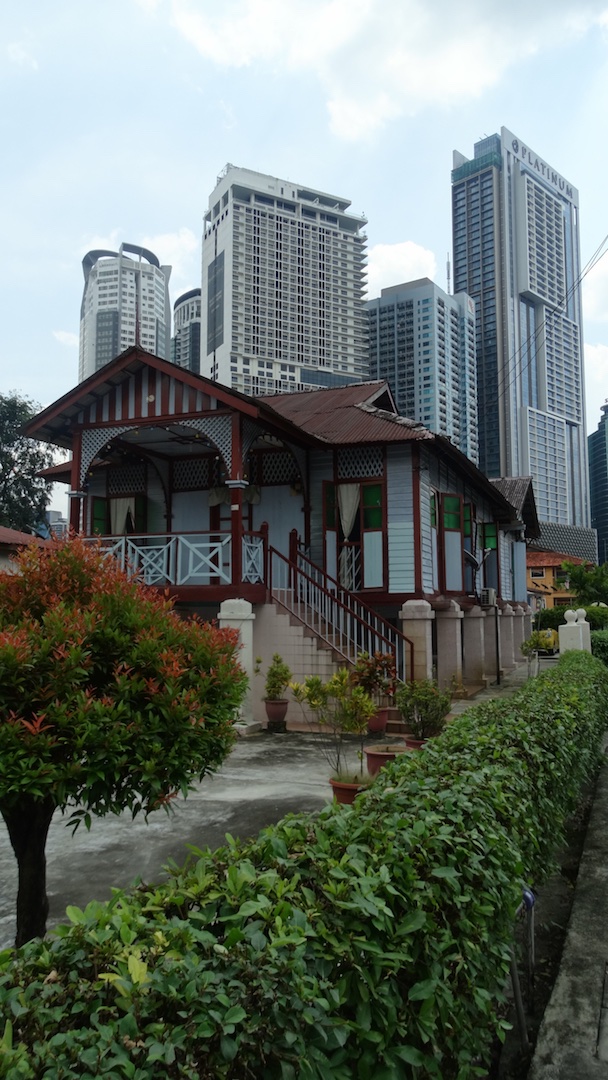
[348, 502]
[119, 513]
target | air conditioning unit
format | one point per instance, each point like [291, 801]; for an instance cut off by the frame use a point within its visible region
[488, 597]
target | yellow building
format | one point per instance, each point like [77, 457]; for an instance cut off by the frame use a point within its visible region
[548, 583]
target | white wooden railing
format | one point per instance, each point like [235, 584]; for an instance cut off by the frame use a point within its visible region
[201, 558]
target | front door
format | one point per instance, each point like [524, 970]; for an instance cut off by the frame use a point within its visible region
[354, 534]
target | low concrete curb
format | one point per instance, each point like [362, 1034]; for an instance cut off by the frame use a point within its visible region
[573, 1038]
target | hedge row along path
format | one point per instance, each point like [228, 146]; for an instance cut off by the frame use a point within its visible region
[354, 943]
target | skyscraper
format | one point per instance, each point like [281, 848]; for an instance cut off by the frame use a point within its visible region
[422, 341]
[282, 286]
[598, 483]
[186, 340]
[125, 302]
[516, 252]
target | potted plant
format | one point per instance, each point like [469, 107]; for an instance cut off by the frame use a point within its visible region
[531, 648]
[342, 710]
[377, 675]
[380, 754]
[424, 708]
[278, 678]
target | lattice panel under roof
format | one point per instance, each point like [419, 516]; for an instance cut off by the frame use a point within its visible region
[192, 474]
[278, 468]
[357, 462]
[92, 442]
[127, 479]
[218, 429]
[251, 432]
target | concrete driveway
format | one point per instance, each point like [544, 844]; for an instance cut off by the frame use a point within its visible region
[265, 777]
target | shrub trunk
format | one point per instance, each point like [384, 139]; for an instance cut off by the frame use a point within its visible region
[28, 825]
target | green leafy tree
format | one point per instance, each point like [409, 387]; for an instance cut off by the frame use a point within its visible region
[589, 583]
[108, 702]
[24, 496]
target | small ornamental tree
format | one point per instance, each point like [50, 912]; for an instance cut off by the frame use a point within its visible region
[108, 702]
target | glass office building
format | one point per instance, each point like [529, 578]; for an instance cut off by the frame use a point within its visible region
[515, 223]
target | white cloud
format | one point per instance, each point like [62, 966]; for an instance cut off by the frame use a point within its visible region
[17, 54]
[377, 62]
[596, 382]
[181, 251]
[65, 337]
[394, 264]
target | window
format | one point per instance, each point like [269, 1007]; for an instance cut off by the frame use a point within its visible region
[537, 572]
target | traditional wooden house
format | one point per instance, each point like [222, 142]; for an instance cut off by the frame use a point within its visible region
[327, 505]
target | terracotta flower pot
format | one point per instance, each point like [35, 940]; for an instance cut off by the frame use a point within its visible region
[378, 722]
[276, 712]
[413, 743]
[344, 791]
[377, 756]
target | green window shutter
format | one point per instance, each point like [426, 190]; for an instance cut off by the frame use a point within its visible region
[433, 511]
[452, 512]
[490, 536]
[468, 519]
[100, 516]
[372, 506]
[140, 514]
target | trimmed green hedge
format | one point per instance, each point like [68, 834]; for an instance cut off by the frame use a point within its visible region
[553, 618]
[354, 943]
[599, 645]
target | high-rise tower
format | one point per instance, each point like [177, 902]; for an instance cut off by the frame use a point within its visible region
[422, 341]
[516, 252]
[598, 482]
[186, 340]
[125, 302]
[282, 286]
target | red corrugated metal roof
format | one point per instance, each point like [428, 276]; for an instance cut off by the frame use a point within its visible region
[358, 413]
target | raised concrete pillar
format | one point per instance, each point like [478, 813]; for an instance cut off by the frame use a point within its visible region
[581, 618]
[474, 647]
[570, 633]
[238, 614]
[449, 645]
[528, 620]
[506, 638]
[492, 644]
[518, 632]
[416, 624]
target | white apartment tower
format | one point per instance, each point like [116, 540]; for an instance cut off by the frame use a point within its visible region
[515, 223]
[283, 278]
[186, 340]
[422, 341]
[125, 302]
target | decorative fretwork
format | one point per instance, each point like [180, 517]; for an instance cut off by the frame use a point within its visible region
[278, 468]
[127, 479]
[358, 462]
[251, 432]
[191, 474]
[93, 440]
[218, 429]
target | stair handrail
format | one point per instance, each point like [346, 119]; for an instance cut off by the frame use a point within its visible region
[358, 626]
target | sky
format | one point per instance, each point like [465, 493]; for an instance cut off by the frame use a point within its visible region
[117, 117]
